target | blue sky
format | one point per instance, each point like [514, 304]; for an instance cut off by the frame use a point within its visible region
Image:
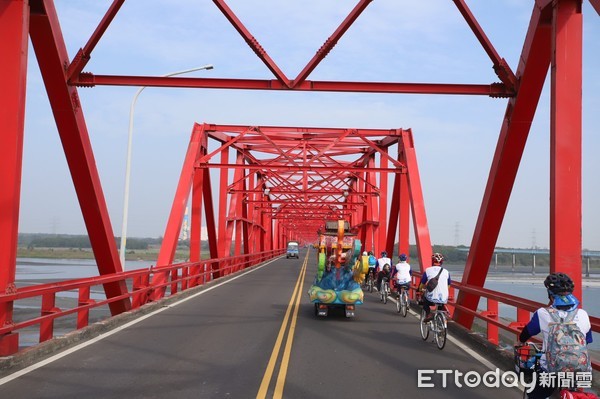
[393, 41]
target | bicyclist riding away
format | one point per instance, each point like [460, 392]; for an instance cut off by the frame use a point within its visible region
[562, 305]
[372, 264]
[401, 275]
[384, 273]
[438, 295]
[381, 262]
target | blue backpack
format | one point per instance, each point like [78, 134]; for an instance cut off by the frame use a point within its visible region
[372, 261]
[566, 348]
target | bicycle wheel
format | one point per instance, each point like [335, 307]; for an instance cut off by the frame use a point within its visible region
[385, 292]
[398, 306]
[370, 283]
[440, 330]
[424, 327]
[404, 299]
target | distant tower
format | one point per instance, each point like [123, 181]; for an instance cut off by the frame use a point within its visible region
[533, 240]
[185, 228]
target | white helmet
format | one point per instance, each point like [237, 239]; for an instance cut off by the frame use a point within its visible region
[365, 253]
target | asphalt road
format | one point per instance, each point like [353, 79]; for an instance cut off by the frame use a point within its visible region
[247, 338]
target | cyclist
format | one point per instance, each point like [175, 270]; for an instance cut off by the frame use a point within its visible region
[401, 275]
[439, 295]
[384, 273]
[381, 262]
[560, 295]
[372, 266]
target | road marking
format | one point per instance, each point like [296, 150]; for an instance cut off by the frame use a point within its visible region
[66, 352]
[288, 345]
[294, 303]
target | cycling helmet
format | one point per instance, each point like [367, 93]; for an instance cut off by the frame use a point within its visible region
[559, 284]
[437, 258]
[402, 257]
[370, 252]
[364, 253]
[384, 254]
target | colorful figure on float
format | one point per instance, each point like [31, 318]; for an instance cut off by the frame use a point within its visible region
[340, 271]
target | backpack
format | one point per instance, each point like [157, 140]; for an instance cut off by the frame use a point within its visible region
[566, 349]
[372, 260]
[566, 394]
[432, 283]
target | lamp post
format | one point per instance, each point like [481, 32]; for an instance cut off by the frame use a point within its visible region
[128, 164]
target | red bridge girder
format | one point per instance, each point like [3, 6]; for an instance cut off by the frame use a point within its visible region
[553, 41]
[285, 181]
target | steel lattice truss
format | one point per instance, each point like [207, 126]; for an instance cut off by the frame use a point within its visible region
[553, 44]
[286, 181]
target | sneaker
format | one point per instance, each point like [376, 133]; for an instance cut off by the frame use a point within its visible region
[428, 318]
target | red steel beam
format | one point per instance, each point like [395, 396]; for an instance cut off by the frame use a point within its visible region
[173, 227]
[565, 141]
[252, 42]
[535, 60]
[300, 168]
[331, 42]
[596, 5]
[83, 55]
[491, 90]
[51, 53]
[14, 26]
[421, 228]
[501, 67]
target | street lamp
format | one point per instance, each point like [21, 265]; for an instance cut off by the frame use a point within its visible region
[128, 165]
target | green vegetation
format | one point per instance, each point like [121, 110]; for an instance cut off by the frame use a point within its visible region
[65, 246]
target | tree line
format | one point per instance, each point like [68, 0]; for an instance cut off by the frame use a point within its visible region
[39, 240]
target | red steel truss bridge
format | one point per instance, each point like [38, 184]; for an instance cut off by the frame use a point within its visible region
[278, 183]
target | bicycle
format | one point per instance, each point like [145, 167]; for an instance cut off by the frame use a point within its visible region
[385, 290]
[402, 300]
[527, 361]
[369, 281]
[438, 325]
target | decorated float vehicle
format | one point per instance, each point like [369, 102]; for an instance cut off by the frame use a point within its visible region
[340, 270]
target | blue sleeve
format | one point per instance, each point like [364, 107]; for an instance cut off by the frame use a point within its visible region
[588, 337]
[449, 280]
[533, 327]
[410, 272]
[424, 278]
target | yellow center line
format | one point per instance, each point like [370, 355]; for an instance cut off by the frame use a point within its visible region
[288, 345]
[264, 386]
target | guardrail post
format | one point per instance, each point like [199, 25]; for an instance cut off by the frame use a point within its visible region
[492, 313]
[174, 277]
[83, 315]
[184, 279]
[48, 308]
[451, 299]
[522, 319]
[140, 294]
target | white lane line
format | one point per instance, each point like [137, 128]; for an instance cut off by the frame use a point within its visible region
[66, 352]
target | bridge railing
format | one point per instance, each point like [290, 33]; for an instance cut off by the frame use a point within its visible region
[35, 308]
[491, 316]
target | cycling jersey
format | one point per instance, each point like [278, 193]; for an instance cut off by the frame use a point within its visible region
[402, 273]
[440, 293]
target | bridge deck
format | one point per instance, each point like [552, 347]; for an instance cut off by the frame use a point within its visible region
[218, 343]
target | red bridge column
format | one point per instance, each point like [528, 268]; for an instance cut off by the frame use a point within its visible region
[565, 141]
[14, 25]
